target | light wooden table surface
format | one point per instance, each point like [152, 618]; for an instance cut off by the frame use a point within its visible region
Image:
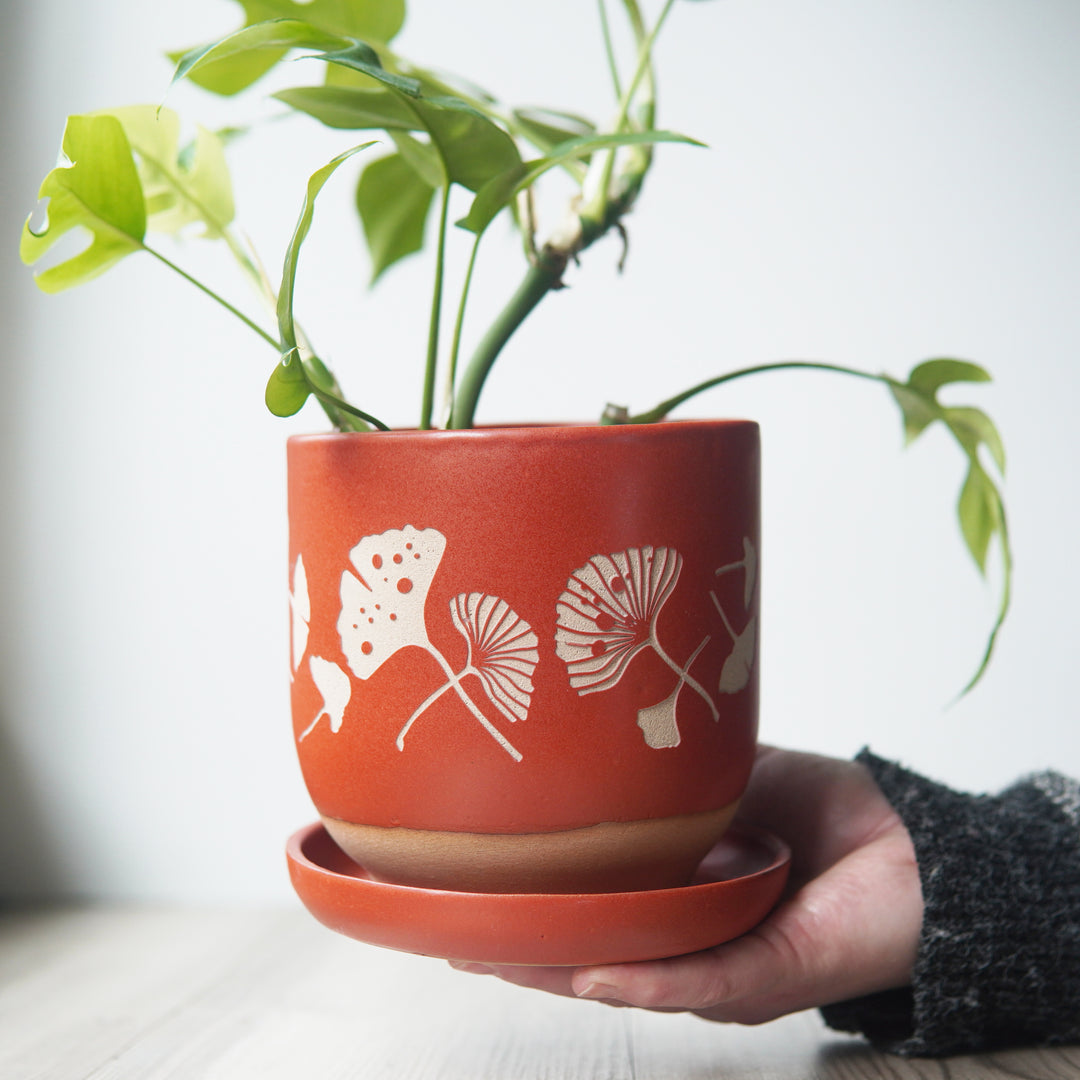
[165, 994]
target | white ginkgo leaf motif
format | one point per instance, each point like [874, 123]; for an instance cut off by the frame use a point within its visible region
[750, 564]
[502, 650]
[334, 686]
[608, 612]
[735, 673]
[657, 722]
[300, 611]
[382, 604]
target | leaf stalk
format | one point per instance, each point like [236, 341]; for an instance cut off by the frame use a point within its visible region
[427, 406]
[655, 415]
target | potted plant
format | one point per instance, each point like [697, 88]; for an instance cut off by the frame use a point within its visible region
[573, 653]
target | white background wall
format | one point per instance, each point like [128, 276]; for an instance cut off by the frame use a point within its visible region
[886, 182]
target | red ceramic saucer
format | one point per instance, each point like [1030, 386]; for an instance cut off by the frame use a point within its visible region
[735, 887]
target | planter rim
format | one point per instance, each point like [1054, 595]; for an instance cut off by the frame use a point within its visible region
[584, 431]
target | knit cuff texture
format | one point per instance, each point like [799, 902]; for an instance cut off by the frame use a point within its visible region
[999, 955]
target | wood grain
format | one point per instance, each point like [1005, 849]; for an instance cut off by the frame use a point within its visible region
[165, 994]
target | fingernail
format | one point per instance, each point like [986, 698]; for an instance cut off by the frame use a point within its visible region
[470, 968]
[598, 990]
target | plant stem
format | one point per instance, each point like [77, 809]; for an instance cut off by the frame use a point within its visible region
[543, 276]
[428, 405]
[459, 323]
[1003, 606]
[602, 211]
[331, 404]
[214, 296]
[644, 65]
[596, 192]
[609, 49]
[661, 410]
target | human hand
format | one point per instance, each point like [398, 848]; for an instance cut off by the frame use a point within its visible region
[849, 923]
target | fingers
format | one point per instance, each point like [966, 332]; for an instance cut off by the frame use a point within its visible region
[849, 927]
[743, 981]
[553, 980]
[851, 932]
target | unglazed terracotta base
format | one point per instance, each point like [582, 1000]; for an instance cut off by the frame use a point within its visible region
[624, 856]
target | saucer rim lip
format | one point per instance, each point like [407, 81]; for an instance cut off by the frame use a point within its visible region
[779, 850]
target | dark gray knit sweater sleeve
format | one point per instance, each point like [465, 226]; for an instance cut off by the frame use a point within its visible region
[999, 956]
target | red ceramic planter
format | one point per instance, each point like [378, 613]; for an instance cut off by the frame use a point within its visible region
[525, 659]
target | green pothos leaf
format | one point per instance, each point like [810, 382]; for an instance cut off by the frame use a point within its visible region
[464, 146]
[180, 186]
[230, 74]
[341, 20]
[499, 191]
[473, 148]
[971, 427]
[547, 128]
[99, 191]
[360, 57]
[394, 202]
[979, 510]
[296, 378]
[268, 40]
[286, 323]
[379, 20]
[287, 388]
[931, 375]
[423, 158]
[980, 507]
[352, 108]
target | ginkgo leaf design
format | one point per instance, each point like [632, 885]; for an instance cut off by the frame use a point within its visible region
[502, 650]
[383, 611]
[608, 614]
[336, 690]
[748, 564]
[735, 673]
[502, 655]
[382, 604]
[657, 722]
[608, 611]
[300, 611]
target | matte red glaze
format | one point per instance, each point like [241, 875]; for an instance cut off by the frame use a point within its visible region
[522, 509]
[736, 886]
